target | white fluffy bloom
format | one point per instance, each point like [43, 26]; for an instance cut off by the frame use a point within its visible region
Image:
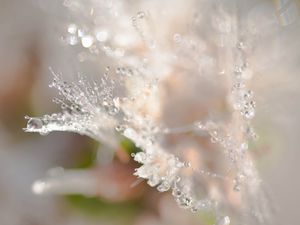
[178, 83]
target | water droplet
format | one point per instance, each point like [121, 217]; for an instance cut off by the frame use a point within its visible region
[87, 41]
[134, 22]
[213, 140]
[252, 104]
[80, 33]
[238, 85]
[249, 113]
[39, 187]
[187, 164]
[176, 192]
[102, 36]
[164, 186]
[237, 105]
[118, 70]
[244, 146]
[72, 28]
[240, 45]
[113, 110]
[248, 95]
[34, 123]
[184, 201]
[140, 157]
[120, 128]
[153, 181]
[199, 125]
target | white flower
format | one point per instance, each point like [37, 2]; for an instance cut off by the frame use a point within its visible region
[179, 86]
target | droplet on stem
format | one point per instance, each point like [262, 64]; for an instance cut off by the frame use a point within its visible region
[34, 123]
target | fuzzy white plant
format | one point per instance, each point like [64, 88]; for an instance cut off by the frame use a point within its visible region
[178, 84]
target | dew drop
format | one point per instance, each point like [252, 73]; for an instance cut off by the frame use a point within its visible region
[199, 125]
[102, 36]
[187, 164]
[120, 128]
[140, 157]
[244, 146]
[81, 33]
[248, 94]
[153, 180]
[240, 45]
[213, 140]
[164, 186]
[176, 192]
[87, 41]
[184, 201]
[113, 110]
[34, 123]
[39, 187]
[249, 114]
[252, 104]
[72, 28]
[134, 22]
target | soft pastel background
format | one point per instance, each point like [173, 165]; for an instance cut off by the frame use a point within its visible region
[28, 46]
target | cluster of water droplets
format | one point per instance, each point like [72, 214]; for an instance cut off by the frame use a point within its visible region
[88, 108]
[243, 98]
[95, 41]
[165, 172]
[92, 108]
[235, 150]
